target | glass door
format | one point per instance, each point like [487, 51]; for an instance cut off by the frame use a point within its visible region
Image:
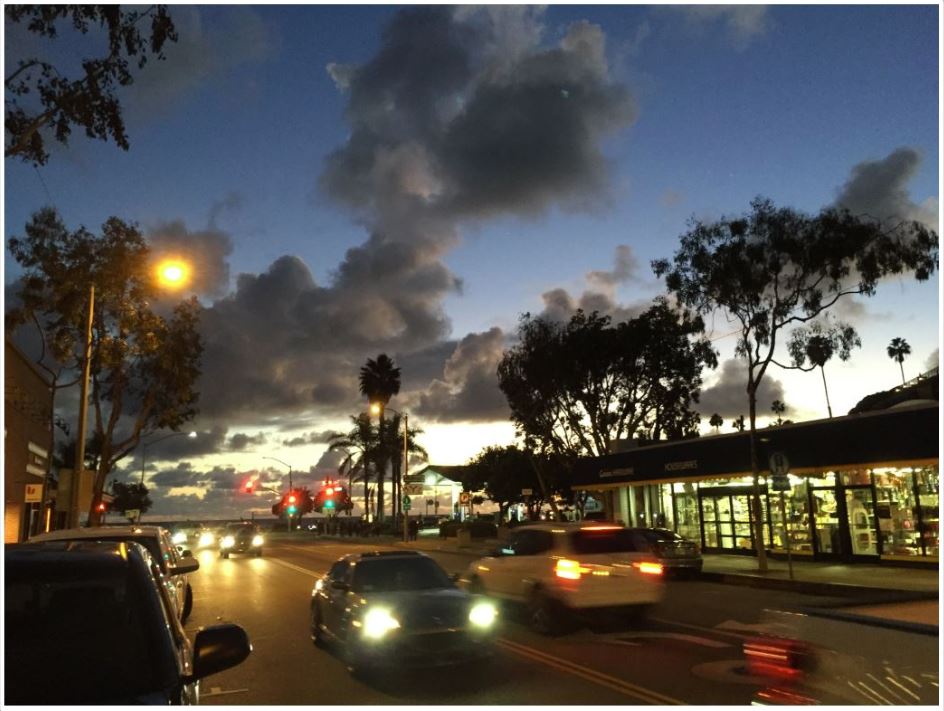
[741, 519]
[709, 517]
[825, 522]
[860, 510]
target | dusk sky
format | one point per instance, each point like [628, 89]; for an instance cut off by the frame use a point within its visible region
[356, 180]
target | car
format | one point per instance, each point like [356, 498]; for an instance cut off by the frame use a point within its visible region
[92, 623]
[399, 609]
[242, 537]
[563, 572]
[176, 566]
[676, 554]
[194, 536]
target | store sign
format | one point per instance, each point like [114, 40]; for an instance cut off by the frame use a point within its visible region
[681, 466]
[623, 471]
[34, 493]
[526, 492]
[413, 489]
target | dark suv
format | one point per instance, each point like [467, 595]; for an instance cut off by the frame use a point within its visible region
[242, 537]
[100, 616]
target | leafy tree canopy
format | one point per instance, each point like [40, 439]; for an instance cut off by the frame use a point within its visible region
[130, 496]
[144, 365]
[576, 388]
[41, 95]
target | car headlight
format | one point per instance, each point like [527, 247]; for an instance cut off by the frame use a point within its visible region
[483, 614]
[227, 542]
[377, 622]
[206, 539]
[179, 537]
[256, 541]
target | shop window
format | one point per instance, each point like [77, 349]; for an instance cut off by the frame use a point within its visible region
[897, 510]
[797, 529]
[687, 524]
[927, 482]
[665, 492]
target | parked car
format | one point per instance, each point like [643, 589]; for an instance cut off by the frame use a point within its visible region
[399, 608]
[677, 554]
[242, 537]
[175, 565]
[564, 571]
[93, 623]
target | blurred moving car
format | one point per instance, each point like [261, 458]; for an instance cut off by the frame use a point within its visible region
[677, 555]
[242, 537]
[565, 571]
[175, 565]
[399, 608]
[88, 622]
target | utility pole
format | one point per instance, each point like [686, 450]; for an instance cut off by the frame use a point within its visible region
[79, 468]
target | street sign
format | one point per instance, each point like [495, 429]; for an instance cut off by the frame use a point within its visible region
[406, 503]
[779, 483]
[779, 464]
[413, 489]
[34, 493]
[526, 492]
[465, 498]
[132, 514]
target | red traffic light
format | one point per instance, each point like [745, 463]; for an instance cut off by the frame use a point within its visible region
[101, 506]
[248, 487]
[329, 492]
[291, 498]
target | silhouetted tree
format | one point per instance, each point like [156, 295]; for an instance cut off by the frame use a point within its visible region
[716, 422]
[738, 423]
[897, 350]
[130, 496]
[778, 408]
[819, 343]
[358, 444]
[379, 381]
[56, 102]
[776, 267]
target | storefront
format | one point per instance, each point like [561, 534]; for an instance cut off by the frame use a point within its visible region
[861, 488]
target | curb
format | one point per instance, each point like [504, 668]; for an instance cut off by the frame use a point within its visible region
[811, 587]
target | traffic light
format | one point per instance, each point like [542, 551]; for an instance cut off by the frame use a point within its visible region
[292, 508]
[329, 498]
[249, 486]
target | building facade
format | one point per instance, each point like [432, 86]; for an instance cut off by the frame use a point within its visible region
[27, 445]
[863, 487]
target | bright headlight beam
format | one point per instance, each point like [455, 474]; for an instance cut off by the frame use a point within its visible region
[228, 542]
[378, 621]
[257, 540]
[483, 614]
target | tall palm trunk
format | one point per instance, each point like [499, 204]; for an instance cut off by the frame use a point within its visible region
[902, 367]
[828, 406]
[381, 470]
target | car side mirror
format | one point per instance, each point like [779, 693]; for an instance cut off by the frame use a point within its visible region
[186, 565]
[219, 647]
[340, 585]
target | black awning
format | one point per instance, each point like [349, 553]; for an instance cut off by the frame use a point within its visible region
[909, 434]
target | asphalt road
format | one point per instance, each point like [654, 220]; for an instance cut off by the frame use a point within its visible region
[687, 652]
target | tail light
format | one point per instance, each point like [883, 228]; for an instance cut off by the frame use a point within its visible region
[649, 568]
[569, 569]
[783, 658]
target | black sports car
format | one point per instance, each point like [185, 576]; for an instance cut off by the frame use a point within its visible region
[399, 608]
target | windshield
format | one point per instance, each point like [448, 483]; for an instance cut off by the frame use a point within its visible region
[71, 639]
[589, 541]
[661, 535]
[394, 574]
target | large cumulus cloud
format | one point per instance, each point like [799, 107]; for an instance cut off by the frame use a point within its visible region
[728, 395]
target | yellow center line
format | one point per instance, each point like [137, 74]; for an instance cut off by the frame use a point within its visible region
[593, 675]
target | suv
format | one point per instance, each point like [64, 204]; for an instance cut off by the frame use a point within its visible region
[563, 570]
[100, 615]
[243, 537]
[175, 565]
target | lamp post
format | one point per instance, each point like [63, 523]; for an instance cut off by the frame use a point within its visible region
[377, 408]
[290, 487]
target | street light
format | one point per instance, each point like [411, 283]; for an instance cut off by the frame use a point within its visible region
[290, 487]
[377, 409]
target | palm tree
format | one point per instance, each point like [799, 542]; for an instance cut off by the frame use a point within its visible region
[778, 409]
[897, 350]
[393, 445]
[819, 349]
[360, 444]
[716, 422]
[379, 381]
[738, 424]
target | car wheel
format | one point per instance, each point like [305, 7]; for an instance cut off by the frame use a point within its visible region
[547, 616]
[188, 603]
[224, 555]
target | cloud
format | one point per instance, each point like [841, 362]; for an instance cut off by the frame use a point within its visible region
[933, 360]
[625, 268]
[206, 251]
[211, 42]
[308, 438]
[728, 396]
[879, 188]
[207, 441]
[240, 441]
[742, 23]
[468, 390]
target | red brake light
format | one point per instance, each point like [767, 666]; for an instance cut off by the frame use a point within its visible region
[601, 528]
[771, 656]
[649, 568]
[569, 569]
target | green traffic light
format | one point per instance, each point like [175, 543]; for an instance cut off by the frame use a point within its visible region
[291, 510]
[329, 504]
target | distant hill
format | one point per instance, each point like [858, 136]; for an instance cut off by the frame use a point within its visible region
[921, 388]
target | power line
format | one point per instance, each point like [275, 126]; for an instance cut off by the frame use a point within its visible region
[39, 175]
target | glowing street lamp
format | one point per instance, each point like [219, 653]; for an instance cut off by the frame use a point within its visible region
[173, 273]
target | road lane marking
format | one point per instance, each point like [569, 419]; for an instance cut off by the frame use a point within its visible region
[694, 639]
[217, 691]
[712, 630]
[597, 677]
[296, 568]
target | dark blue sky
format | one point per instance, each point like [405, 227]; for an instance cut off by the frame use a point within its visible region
[682, 111]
